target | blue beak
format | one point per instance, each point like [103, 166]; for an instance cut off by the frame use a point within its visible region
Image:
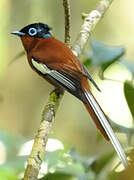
[18, 33]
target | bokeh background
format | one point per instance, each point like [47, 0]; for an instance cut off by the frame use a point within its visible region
[23, 93]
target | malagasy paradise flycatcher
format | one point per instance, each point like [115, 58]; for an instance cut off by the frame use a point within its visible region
[56, 63]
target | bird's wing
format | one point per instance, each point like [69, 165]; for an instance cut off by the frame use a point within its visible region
[58, 76]
[57, 56]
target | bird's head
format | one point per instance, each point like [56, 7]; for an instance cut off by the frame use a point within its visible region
[38, 30]
[31, 33]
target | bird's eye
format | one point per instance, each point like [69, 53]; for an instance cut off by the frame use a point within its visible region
[32, 31]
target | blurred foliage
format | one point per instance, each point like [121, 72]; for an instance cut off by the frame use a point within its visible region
[61, 164]
[4, 12]
[128, 64]
[22, 53]
[7, 174]
[103, 55]
[129, 95]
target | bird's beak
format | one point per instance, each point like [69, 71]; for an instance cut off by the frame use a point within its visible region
[18, 33]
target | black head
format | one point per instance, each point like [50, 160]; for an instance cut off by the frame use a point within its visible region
[38, 30]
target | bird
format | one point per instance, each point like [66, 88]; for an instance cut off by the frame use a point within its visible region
[55, 62]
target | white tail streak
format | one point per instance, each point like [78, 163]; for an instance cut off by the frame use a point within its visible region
[105, 124]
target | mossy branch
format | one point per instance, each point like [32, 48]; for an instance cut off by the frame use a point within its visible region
[38, 151]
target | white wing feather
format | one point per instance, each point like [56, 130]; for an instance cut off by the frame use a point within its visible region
[55, 74]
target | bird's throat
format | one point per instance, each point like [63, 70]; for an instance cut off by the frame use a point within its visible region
[28, 42]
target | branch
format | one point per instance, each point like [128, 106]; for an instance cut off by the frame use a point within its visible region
[90, 21]
[67, 21]
[37, 155]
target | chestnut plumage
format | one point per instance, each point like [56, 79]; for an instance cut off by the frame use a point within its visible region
[56, 63]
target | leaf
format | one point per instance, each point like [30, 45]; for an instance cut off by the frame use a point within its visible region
[99, 137]
[129, 95]
[57, 176]
[12, 143]
[87, 62]
[104, 55]
[61, 162]
[86, 161]
[113, 176]
[53, 159]
[74, 169]
[128, 64]
[7, 174]
[102, 161]
[16, 164]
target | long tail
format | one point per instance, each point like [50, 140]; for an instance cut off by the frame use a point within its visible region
[102, 124]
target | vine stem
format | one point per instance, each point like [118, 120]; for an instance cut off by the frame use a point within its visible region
[66, 6]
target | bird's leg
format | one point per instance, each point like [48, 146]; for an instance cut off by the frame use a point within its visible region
[58, 91]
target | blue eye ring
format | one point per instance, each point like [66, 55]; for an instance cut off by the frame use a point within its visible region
[32, 31]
